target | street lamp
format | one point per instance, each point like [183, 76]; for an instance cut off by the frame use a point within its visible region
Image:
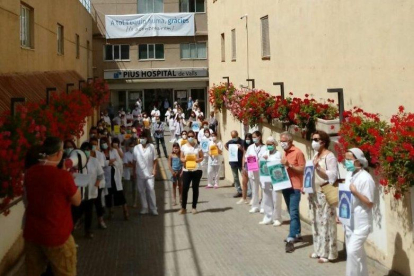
[253, 83]
[67, 87]
[48, 90]
[247, 42]
[228, 82]
[13, 101]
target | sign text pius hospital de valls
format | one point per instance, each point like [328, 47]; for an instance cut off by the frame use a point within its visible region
[156, 73]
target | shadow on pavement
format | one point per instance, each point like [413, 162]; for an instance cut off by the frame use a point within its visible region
[216, 210]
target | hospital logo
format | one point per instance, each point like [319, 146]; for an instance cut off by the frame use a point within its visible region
[117, 75]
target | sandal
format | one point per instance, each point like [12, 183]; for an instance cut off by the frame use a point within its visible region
[323, 260]
[313, 256]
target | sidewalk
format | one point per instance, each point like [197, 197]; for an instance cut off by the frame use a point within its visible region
[222, 239]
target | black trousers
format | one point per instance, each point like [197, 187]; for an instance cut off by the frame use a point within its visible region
[188, 177]
[100, 211]
[162, 140]
[86, 208]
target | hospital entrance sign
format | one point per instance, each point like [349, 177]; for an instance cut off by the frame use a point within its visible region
[164, 73]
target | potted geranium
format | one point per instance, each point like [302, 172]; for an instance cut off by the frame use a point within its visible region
[362, 130]
[218, 93]
[254, 106]
[397, 154]
[327, 117]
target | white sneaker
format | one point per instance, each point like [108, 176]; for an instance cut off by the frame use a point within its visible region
[254, 210]
[261, 211]
[154, 213]
[251, 202]
[265, 222]
[241, 201]
[277, 223]
[144, 211]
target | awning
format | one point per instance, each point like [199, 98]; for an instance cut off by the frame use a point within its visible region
[32, 86]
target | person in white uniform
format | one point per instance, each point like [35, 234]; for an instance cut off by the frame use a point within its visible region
[272, 200]
[205, 137]
[258, 150]
[215, 158]
[145, 163]
[362, 187]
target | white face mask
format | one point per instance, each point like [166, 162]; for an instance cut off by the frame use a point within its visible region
[207, 135]
[316, 146]
[284, 145]
[143, 141]
[184, 137]
[214, 139]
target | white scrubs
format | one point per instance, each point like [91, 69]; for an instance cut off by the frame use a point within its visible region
[272, 200]
[144, 158]
[214, 165]
[258, 152]
[361, 224]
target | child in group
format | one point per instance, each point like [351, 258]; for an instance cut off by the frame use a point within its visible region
[215, 153]
[176, 168]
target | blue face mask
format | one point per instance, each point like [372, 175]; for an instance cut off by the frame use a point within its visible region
[248, 142]
[68, 150]
[270, 147]
[349, 165]
[87, 153]
[235, 139]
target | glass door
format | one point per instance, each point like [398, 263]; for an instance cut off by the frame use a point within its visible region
[181, 97]
[133, 97]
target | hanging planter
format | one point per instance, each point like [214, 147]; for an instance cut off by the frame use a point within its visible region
[331, 127]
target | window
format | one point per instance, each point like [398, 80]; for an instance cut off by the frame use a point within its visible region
[26, 26]
[233, 44]
[151, 51]
[192, 6]
[116, 52]
[223, 48]
[193, 50]
[150, 6]
[265, 38]
[60, 39]
[77, 46]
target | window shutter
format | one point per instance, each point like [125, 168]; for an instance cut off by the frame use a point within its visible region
[233, 44]
[265, 37]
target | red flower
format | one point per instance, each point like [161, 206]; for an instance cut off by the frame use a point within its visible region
[401, 108]
[390, 159]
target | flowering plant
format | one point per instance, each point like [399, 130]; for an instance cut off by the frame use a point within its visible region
[363, 130]
[233, 103]
[254, 106]
[397, 154]
[97, 92]
[64, 117]
[218, 93]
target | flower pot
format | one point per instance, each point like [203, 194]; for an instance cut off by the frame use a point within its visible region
[331, 127]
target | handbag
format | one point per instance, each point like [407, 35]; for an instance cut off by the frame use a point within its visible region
[331, 192]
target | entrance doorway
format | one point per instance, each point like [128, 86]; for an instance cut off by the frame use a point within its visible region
[161, 98]
[180, 96]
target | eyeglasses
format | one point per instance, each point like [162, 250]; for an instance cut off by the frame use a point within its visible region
[190, 136]
[316, 139]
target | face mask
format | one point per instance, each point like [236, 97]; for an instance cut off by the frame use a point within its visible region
[184, 136]
[104, 146]
[68, 150]
[143, 141]
[115, 144]
[284, 145]
[175, 150]
[93, 147]
[270, 147]
[128, 132]
[214, 139]
[191, 140]
[131, 150]
[207, 135]
[93, 134]
[256, 140]
[316, 146]
[235, 139]
[87, 153]
[248, 142]
[349, 165]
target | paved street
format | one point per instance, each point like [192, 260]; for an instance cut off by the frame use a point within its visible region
[223, 239]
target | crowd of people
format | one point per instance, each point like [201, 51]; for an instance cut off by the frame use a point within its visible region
[127, 160]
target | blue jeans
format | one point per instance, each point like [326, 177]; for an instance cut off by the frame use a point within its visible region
[292, 199]
[235, 171]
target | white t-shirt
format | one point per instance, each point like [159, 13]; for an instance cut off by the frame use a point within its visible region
[128, 158]
[94, 170]
[215, 160]
[201, 134]
[187, 149]
[144, 158]
[171, 124]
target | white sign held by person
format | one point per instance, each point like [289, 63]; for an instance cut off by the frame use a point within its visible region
[233, 152]
[149, 25]
[345, 203]
[308, 177]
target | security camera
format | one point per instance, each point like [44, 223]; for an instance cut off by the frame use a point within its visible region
[243, 16]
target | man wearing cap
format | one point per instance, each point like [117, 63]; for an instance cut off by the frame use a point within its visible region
[362, 186]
